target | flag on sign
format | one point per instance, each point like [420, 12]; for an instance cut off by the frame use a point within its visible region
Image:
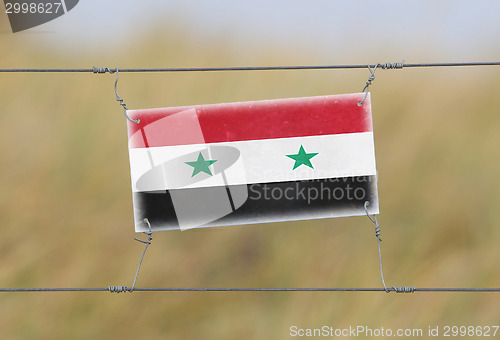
[252, 162]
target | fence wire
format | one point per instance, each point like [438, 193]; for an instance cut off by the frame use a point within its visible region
[123, 289]
[397, 65]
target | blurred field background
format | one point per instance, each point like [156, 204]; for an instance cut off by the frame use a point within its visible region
[66, 208]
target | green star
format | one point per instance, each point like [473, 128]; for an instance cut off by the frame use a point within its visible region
[302, 158]
[201, 165]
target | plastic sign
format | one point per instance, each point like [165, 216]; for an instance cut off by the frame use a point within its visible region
[252, 162]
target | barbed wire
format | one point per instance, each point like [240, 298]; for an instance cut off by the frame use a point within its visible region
[398, 65]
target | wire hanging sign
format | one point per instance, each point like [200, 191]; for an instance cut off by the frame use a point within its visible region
[198, 158]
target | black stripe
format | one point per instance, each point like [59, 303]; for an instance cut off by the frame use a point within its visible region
[267, 202]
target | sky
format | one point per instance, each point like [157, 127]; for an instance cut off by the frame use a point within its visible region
[456, 30]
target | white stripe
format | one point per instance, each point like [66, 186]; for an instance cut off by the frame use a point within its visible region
[265, 161]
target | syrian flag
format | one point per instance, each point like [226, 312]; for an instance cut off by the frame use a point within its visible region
[252, 162]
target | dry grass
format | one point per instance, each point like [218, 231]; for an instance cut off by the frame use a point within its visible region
[66, 214]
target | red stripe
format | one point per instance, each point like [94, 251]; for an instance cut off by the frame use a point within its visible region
[297, 117]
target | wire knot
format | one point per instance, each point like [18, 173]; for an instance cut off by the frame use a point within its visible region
[148, 241]
[147, 233]
[374, 220]
[378, 232]
[403, 289]
[103, 70]
[118, 289]
[368, 83]
[392, 66]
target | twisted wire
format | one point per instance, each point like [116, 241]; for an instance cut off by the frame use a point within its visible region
[368, 83]
[392, 66]
[379, 239]
[404, 289]
[147, 242]
[117, 289]
[118, 99]
[377, 234]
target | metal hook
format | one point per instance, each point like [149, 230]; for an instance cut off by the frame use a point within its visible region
[368, 83]
[118, 99]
